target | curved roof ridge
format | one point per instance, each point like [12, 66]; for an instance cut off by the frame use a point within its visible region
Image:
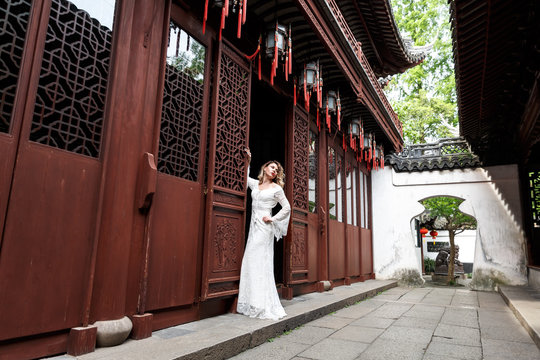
[445, 154]
[414, 54]
[373, 24]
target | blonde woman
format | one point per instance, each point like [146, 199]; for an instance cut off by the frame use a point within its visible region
[257, 295]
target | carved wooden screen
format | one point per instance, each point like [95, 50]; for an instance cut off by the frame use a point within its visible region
[224, 238]
[297, 242]
[181, 115]
[14, 23]
[72, 87]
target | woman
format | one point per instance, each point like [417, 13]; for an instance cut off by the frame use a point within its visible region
[258, 296]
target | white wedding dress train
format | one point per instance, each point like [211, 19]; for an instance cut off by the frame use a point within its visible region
[257, 296]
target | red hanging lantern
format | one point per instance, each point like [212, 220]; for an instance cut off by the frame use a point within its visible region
[239, 7]
[423, 231]
[433, 234]
[309, 82]
[279, 45]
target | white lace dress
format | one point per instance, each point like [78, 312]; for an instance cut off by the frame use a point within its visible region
[257, 295]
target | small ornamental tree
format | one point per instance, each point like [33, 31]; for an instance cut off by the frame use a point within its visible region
[447, 209]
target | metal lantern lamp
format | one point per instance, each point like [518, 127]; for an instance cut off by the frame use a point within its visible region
[367, 141]
[310, 75]
[279, 45]
[354, 132]
[277, 34]
[354, 127]
[331, 101]
[311, 81]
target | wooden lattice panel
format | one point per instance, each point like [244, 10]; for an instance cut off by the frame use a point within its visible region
[13, 22]
[70, 98]
[300, 161]
[181, 119]
[231, 132]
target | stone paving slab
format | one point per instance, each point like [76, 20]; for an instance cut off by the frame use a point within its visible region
[525, 303]
[386, 349]
[501, 349]
[460, 335]
[396, 324]
[227, 335]
[334, 349]
[469, 325]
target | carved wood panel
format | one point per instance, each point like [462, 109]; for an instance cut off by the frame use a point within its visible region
[297, 241]
[225, 234]
[227, 243]
[14, 23]
[298, 247]
[232, 120]
[180, 135]
[70, 98]
[300, 161]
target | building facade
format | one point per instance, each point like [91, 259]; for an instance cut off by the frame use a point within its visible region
[123, 128]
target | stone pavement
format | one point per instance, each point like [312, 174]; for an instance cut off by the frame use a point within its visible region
[226, 335]
[409, 323]
[395, 323]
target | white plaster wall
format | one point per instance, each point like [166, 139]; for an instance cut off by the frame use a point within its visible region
[491, 195]
[466, 241]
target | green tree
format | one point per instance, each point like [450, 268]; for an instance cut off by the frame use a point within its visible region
[424, 97]
[192, 61]
[447, 209]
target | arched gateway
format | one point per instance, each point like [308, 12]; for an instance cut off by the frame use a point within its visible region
[448, 168]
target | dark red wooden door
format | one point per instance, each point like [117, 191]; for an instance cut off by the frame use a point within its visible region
[226, 200]
[176, 219]
[296, 242]
[52, 171]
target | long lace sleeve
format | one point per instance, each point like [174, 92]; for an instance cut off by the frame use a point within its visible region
[252, 183]
[280, 221]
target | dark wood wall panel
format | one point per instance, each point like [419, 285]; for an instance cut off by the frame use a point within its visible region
[336, 249]
[48, 241]
[313, 247]
[366, 252]
[353, 250]
[174, 240]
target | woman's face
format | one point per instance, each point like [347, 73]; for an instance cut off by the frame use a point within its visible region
[271, 171]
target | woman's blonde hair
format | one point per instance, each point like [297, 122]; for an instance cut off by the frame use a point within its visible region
[279, 179]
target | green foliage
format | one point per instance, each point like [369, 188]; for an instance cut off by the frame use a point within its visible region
[429, 265]
[448, 208]
[424, 97]
[191, 62]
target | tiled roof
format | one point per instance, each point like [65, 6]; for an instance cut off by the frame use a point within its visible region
[451, 153]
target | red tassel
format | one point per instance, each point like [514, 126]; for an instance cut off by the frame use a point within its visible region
[290, 50]
[328, 119]
[306, 100]
[239, 31]
[290, 58]
[275, 61]
[259, 66]
[205, 17]
[287, 67]
[294, 94]
[244, 10]
[222, 25]
[226, 7]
